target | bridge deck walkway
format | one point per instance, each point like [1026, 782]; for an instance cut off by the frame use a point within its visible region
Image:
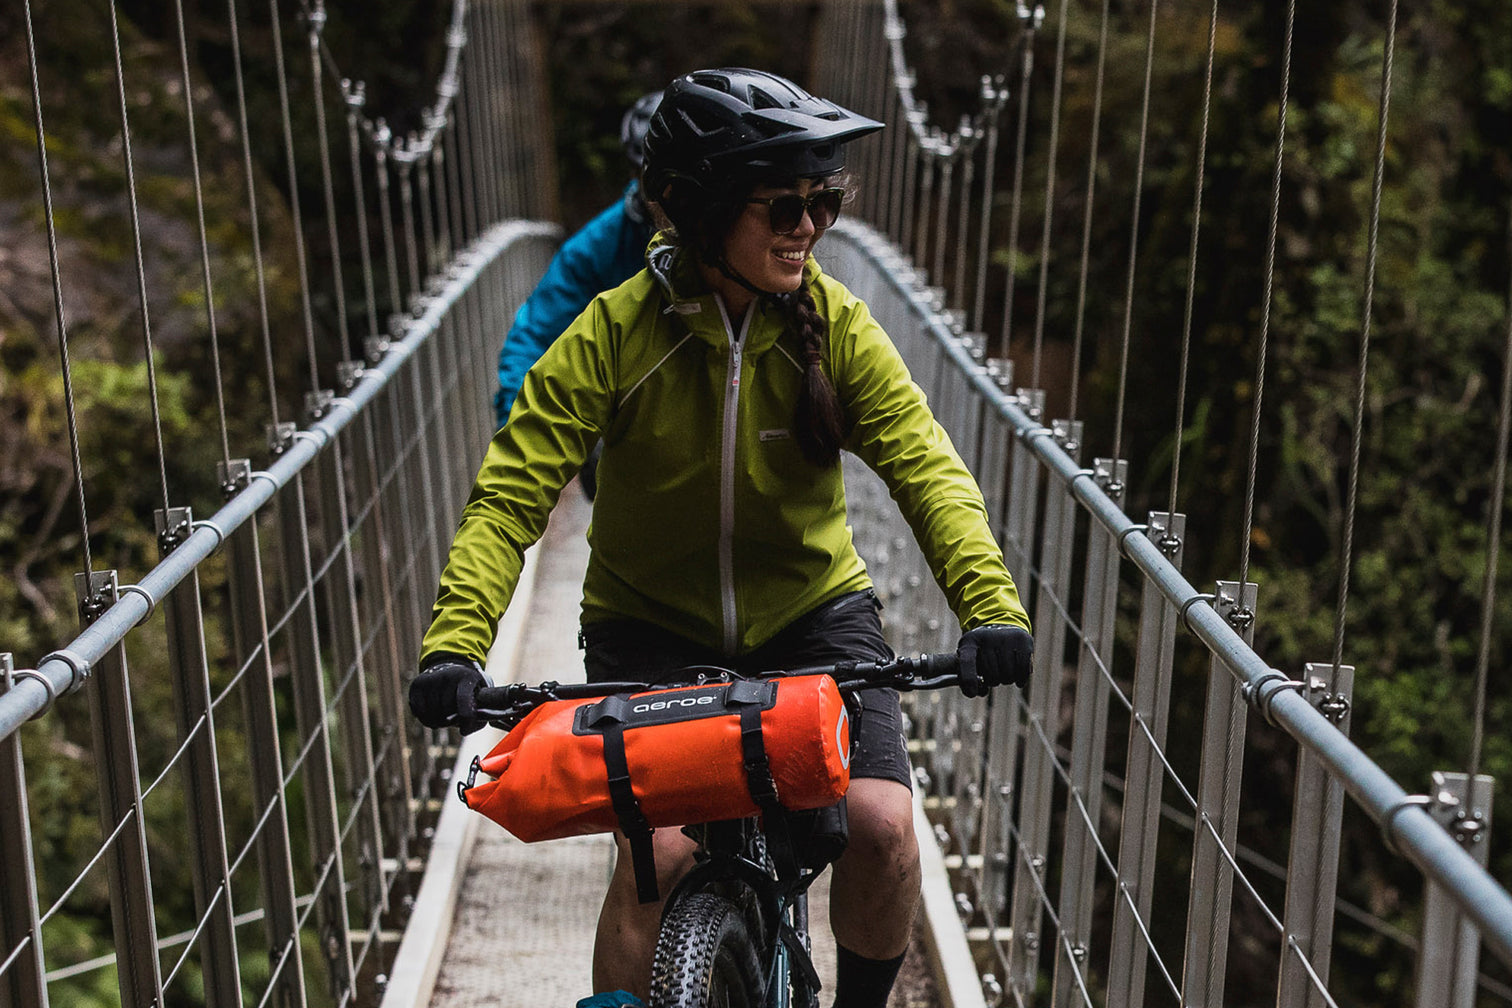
[503, 924]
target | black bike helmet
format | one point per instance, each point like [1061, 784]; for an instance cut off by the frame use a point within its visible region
[718, 129]
[633, 126]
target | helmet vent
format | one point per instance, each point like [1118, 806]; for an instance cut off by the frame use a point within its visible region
[761, 100]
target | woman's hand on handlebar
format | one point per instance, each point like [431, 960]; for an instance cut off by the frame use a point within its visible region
[444, 694]
[994, 655]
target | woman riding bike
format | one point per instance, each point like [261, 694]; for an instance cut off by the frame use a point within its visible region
[724, 380]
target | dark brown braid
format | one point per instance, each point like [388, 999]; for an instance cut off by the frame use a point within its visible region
[819, 421]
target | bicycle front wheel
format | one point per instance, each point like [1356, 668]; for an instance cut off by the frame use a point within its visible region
[705, 957]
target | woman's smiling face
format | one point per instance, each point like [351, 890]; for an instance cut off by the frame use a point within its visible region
[769, 261]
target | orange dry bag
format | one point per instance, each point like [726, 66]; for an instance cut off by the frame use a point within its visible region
[667, 758]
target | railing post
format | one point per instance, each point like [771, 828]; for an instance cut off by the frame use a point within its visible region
[184, 628]
[1449, 949]
[118, 775]
[390, 767]
[1137, 840]
[351, 675]
[1038, 788]
[1312, 871]
[275, 860]
[307, 673]
[22, 983]
[1210, 896]
[1089, 746]
[1023, 502]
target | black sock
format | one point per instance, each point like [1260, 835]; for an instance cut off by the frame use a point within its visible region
[862, 982]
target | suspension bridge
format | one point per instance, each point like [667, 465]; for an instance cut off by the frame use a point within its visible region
[249, 321]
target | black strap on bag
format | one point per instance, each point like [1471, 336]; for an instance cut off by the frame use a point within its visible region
[751, 698]
[609, 718]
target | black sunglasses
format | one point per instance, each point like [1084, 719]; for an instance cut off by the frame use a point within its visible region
[822, 206]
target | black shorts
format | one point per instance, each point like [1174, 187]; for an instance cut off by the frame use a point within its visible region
[846, 627]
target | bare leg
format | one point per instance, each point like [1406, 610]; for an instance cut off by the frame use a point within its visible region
[626, 938]
[874, 891]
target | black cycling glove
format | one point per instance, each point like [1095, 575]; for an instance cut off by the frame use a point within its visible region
[994, 655]
[443, 694]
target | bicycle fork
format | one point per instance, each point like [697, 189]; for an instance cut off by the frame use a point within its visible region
[793, 971]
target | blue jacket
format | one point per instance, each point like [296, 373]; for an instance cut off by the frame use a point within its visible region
[606, 252]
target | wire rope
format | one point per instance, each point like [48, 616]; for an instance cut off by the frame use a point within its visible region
[316, 22]
[1049, 214]
[1495, 503]
[1089, 206]
[143, 312]
[1016, 201]
[1262, 352]
[60, 318]
[204, 241]
[1363, 368]
[1139, 171]
[295, 213]
[1191, 282]
[252, 212]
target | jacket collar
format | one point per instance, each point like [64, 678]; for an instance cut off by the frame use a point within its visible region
[690, 299]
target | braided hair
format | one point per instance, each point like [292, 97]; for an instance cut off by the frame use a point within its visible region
[818, 422]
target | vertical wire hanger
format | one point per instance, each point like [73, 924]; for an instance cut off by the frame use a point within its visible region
[1363, 368]
[144, 314]
[1144, 132]
[1191, 290]
[60, 318]
[199, 207]
[1262, 352]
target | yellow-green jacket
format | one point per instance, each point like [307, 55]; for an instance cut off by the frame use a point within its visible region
[708, 521]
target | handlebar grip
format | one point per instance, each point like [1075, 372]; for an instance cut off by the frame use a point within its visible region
[944, 663]
[496, 697]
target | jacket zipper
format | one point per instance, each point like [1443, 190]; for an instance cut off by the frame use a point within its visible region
[727, 475]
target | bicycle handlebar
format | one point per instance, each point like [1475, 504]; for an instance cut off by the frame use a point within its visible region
[505, 706]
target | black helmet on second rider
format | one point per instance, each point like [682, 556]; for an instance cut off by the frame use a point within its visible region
[719, 131]
[633, 126]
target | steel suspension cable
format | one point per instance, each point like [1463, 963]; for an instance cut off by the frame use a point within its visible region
[1045, 229]
[256, 225]
[355, 97]
[1191, 291]
[199, 208]
[1089, 207]
[1139, 170]
[57, 284]
[1262, 352]
[1495, 503]
[1016, 202]
[316, 22]
[1372, 249]
[294, 210]
[143, 311]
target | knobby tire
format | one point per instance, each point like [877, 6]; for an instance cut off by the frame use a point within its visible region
[705, 957]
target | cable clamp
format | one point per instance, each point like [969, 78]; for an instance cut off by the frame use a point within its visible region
[78, 666]
[213, 526]
[1388, 821]
[1186, 608]
[139, 590]
[1124, 535]
[1261, 693]
[52, 693]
